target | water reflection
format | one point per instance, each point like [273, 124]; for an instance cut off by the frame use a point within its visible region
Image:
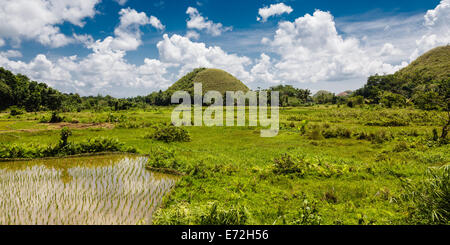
[102, 190]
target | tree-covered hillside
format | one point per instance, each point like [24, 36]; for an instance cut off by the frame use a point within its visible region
[19, 90]
[425, 82]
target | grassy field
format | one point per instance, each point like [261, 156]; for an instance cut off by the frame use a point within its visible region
[328, 165]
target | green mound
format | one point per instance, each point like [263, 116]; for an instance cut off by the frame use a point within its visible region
[211, 80]
[428, 74]
[431, 66]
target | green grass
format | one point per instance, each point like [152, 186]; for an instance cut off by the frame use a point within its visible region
[211, 79]
[230, 169]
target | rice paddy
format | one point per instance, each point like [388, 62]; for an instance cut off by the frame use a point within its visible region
[102, 190]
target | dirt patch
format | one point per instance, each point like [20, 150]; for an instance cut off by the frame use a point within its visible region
[59, 126]
[54, 126]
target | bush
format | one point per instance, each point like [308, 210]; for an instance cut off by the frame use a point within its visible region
[315, 134]
[215, 215]
[307, 215]
[15, 111]
[287, 164]
[389, 123]
[210, 214]
[337, 133]
[169, 133]
[55, 118]
[64, 148]
[376, 137]
[163, 157]
[431, 198]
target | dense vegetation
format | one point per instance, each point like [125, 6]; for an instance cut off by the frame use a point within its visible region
[211, 79]
[64, 148]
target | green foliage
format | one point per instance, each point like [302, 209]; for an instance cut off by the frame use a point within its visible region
[307, 215]
[211, 80]
[290, 96]
[18, 90]
[65, 133]
[216, 215]
[169, 133]
[425, 81]
[325, 97]
[397, 122]
[15, 111]
[209, 214]
[64, 148]
[288, 164]
[431, 198]
[390, 100]
[301, 166]
[55, 118]
[163, 158]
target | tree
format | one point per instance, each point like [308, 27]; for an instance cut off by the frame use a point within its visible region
[5, 95]
[390, 100]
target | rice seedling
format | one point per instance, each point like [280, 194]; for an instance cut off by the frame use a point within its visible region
[119, 193]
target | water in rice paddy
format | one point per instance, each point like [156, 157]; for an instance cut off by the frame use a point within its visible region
[101, 190]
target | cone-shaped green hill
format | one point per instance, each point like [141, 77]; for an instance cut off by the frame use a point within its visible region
[211, 80]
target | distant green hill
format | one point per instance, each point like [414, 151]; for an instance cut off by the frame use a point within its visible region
[428, 75]
[211, 79]
[432, 66]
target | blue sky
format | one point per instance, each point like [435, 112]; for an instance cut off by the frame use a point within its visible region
[134, 47]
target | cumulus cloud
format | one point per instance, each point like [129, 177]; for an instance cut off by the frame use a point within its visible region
[197, 21]
[187, 55]
[437, 26]
[39, 19]
[11, 54]
[273, 10]
[311, 50]
[121, 2]
[127, 34]
[105, 70]
[192, 35]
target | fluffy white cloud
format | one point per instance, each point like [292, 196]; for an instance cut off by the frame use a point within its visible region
[38, 19]
[121, 2]
[182, 52]
[264, 71]
[192, 35]
[127, 34]
[11, 54]
[437, 26]
[105, 70]
[272, 10]
[311, 50]
[197, 21]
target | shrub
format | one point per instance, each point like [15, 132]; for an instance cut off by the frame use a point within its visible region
[169, 133]
[65, 133]
[337, 133]
[216, 215]
[401, 147]
[287, 164]
[307, 215]
[64, 148]
[15, 111]
[431, 198]
[389, 123]
[162, 157]
[55, 118]
[210, 214]
[315, 134]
